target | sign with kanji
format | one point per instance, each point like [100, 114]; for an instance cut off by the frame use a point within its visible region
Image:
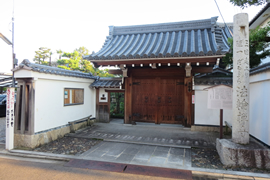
[220, 97]
[10, 118]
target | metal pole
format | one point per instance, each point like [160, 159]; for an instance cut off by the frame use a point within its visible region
[221, 124]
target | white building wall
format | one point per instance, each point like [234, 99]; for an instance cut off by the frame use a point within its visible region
[50, 111]
[5, 57]
[102, 95]
[260, 106]
[205, 116]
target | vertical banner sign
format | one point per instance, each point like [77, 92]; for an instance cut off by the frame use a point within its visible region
[10, 118]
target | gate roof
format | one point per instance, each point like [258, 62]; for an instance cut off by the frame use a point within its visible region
[204, 38]
[104, 82]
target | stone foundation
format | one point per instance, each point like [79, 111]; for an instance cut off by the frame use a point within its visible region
[252, 155]
[37, 139]
[208, 128]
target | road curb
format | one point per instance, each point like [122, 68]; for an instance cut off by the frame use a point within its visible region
[230, 174]
[30, 154]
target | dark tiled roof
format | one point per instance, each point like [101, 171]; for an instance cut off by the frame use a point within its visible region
[179, 39]
[107, 83]
[259, 14]
[53, 70]
[261, 68]
[213, 81]
[217, 77]
[217, 72]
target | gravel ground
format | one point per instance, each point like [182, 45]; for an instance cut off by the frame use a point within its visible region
[68, 146]
[209, 158]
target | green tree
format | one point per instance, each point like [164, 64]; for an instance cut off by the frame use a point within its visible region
[60, 52]
[50, 63]
[258, 46]
[82, 51]
[41, 55]
[74, 61]
[245, 3]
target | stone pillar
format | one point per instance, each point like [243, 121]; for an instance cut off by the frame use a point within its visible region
[240, 123]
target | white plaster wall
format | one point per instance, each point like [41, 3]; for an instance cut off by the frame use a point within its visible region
[205, 116]
[5, 57]
[50, 111]
[260, 106]
[101, 93]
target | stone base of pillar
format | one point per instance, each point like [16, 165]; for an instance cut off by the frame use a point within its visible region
[252, 155]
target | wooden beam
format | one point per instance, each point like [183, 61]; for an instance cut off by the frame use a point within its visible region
[202, 69]
[129, 62]
[116, 90]
[115, 71]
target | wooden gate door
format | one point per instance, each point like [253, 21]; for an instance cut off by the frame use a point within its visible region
[143, 97]
[170, 106]
[158, 100]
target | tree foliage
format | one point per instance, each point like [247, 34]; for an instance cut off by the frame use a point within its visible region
[258, 46]
[60, 52]
[82, 51]
[246, 3]
[70, 61]
[41, 55]
[75, 61]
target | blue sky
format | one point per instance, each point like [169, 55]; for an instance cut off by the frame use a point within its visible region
[69, 24]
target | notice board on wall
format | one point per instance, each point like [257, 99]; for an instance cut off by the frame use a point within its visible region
[220, 97]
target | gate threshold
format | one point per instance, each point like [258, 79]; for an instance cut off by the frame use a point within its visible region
[143, 124]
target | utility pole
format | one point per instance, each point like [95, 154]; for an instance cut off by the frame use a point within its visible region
[13, 55]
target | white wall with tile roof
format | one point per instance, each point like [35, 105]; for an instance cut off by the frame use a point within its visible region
[49, 110]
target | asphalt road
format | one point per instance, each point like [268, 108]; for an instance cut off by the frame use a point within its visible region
[22, 168]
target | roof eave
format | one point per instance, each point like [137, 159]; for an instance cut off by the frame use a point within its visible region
[251, 23]
[5, 39]
[158, 60]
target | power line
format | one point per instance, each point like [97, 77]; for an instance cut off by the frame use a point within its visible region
[223, 18]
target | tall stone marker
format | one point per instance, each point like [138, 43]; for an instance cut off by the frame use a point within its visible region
[240, 123]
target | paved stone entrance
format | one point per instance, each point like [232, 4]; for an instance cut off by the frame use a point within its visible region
[144, 144]
[147, 155]
[150, 134]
